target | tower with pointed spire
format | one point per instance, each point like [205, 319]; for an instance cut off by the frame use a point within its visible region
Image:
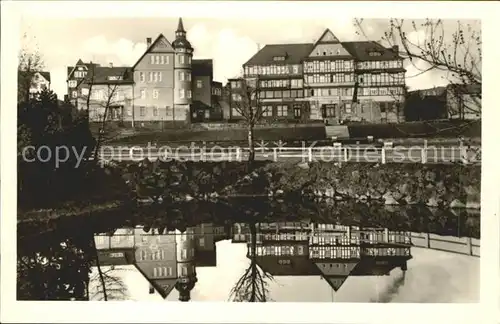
[182, 72]
[186, 271]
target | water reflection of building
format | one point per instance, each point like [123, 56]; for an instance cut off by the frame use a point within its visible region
[167, 259]
[333, 252]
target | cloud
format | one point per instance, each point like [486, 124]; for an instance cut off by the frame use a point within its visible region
[120, 52]
[228, 49]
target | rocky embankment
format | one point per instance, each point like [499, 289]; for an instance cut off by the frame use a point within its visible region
[443, 186]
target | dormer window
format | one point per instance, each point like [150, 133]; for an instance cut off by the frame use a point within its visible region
[374, 53]
[115, 78]
[279, 58]
[324, 53]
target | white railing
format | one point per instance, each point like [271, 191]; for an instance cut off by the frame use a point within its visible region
[335, 153]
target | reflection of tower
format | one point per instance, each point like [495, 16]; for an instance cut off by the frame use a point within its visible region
[182, 73]
[186, 272]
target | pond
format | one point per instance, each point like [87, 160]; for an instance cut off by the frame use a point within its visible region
[256, 250]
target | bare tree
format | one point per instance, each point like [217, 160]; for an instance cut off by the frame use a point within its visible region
[456, 52]
[108, 286]
[247, 104]
[252, 285]
[30, 62]
[100, 101]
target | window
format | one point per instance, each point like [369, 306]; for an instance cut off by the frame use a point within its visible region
[159, 76]
[296, 69]
[235, 112]
[181, 93]
[267, 111]
[373, 91]
[181, 59]
[236, 97]
[155, 111]
[142, 111]
[181, 76]
[162, 59]
[152, 59]
[199, 84]
[202, 241]
[155, 76]
[80, 74]
[282, 111]
[85, 91]
[383, 91]
[184, 270]
[74, 94]
[150, 76]
[348, 108]
[184, 253]
[297, 111]
[143, 93]
[143, 255]
[155, 94]
[188, 94]
[72, 83]
[157, 59]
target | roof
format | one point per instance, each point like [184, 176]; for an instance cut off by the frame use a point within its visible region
[44, 74]
[361, 50]
[101, 74]
[153, 44]
[202, 68]
[295, 53]
[465, 88]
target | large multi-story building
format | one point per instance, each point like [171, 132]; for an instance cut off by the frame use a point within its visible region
[167, 259]
[333, 252]
[328, 80]
[165, 86]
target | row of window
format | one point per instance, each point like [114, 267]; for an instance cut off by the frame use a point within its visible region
[330, 78]
[282, 94]
[328, 66]
[294, 83]
[347, 108]
[274, 111]
[280, 250]
[165, 59]
[162, 272]
[343, 252]
[380, 64]
[152, 76]
[154, 256]
[378, 91]
[80, 74]
[272, 70]
[381, 78]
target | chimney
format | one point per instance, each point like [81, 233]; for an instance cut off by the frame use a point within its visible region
[148, 41]
[110, 64]
[395, 49]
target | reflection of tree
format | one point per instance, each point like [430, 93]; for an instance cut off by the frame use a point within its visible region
[108, 286]
[53, 272]
[252, 286]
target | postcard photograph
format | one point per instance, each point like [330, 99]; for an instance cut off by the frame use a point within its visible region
[191, 158]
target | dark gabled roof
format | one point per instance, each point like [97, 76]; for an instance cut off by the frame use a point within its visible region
[149, 48]
[46, 75]
[335, 281]
[465, 88]
[299, 266]
[216, 84]
[361, 51]
[294, 53]
[102, 73]
[202, 68]
[99, 74]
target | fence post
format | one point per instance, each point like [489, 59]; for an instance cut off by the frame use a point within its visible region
[383, 155]
[428, 240]
[310, 154]
[469, 246]
[423, 153]
[345, 154]
[275, 154]
[238, 154]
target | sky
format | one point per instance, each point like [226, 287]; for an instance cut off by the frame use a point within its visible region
[229, 42]
[432, 277]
